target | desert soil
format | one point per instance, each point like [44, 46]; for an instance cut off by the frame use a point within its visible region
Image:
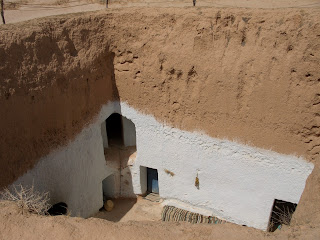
[126, 210]
[141, 53]
[30, 9]
[14, 225]
[43, 8]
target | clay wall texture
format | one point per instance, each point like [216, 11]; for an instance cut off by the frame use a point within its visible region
[250, 75]
[237, 183]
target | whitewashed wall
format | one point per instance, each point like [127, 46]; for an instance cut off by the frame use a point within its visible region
[129, 132]
[238, 183]
[104, 134]
[74, 173]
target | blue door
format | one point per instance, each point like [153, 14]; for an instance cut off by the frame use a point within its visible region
[152, 184]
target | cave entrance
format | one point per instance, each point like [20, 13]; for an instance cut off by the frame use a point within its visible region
[118, 131]
[119, 142]
[281, 213]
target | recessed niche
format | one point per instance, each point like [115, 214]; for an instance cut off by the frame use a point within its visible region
[281, 214]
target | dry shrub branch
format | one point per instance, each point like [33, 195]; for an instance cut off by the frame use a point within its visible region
[28, 199]
[284, 215]
[2, 11]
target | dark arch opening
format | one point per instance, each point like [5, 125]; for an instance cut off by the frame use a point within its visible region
[60, 208]
[119, 143]
[114, 129]
[281, 214]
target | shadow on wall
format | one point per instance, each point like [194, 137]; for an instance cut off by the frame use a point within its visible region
[50, 118]
[70, 173]
[121, 207]
[115, 92]
[119, 183]
[119, 142]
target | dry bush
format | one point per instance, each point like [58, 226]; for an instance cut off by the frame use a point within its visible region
[61, 2]
[28, 199]
[8, 5]
[284, 216]
[281, 216]
[97, 1]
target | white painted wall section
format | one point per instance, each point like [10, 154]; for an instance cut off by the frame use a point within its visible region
[104, 134]
[74, 173]
[238, 183]
[129, 132]
[108, 186]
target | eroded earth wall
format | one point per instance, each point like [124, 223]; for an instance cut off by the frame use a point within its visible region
[249, 75]
[51, 87]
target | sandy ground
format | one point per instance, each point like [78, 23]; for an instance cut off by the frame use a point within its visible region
[126, 210]
[40, 8]
[43, 8]
[14, 225]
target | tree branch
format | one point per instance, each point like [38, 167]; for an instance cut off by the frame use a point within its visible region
[2, 12]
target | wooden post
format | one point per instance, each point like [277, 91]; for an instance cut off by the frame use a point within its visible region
[2, 12]
[107, 1]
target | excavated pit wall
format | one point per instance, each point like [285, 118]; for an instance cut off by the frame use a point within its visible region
[236, 74]
[238, 183]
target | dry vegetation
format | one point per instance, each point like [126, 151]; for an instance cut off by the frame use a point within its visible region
[61, 2]
[280, 216]
[284, 216]
[13, 5]
[28, 199]
[97, 1]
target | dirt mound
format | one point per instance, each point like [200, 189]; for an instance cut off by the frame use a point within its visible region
[13, 225]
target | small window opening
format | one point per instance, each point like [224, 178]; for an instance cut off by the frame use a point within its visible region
[281, 214]
[114, 129]
[152, 181]
[149, 183]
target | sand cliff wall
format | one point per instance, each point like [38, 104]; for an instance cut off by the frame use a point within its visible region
[250, 75]
[50, 88]
[237, 183]
[236, 75]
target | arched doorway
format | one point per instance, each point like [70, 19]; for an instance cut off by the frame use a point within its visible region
[114, 129]
[119, 141]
